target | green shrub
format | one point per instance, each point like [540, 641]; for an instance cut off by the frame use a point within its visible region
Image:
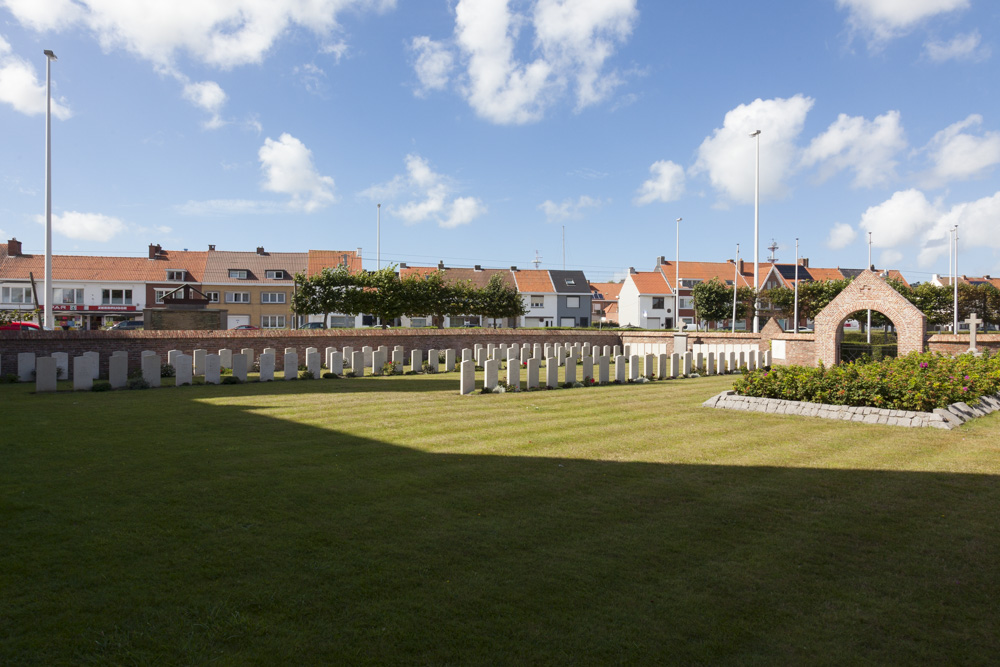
[9, 378]
[330, 376]
[136, 383]
[917, 381]
[231, 379]
[101, 385]
[167, 371]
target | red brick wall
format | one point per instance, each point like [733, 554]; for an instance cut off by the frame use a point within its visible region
[952, 344]
[76, 343]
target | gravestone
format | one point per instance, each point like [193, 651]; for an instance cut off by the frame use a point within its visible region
[616, 351]
[514, 374]
[633, 367]
[710, 365]
[603, 368]
[491, 374]
[368, 352]
[151, 369]
[766, 361]
[83, 374]
[249, 354]
[449, 360]
[397, 360]
[752, 360]
[226, 358]
[95, 364]
[62, 365]
[213, 368]
[686, 363]
[481, 357]
[118, 370]
[973, 322]
[531, 382]
[620, 370]
[290, 365]
[26, 366]
[272, 350]
[336, 363]
[649, 366]
[266, 362]
[416, 360]
[551, 372]
[699, 361]
[675, 365]
[313, 362]
[46, 372]
[587, 370]
[172, 358]
[680, 343]
[570, 374]
[199, 361]
[348, 355]
[663, 362]
[184, 370]
[240, 365]
[467, 354]
[467, 381]
[433, 361]
[358, 363]
[326, 355]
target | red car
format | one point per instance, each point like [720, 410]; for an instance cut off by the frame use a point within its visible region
[246, 327]
[20, 326]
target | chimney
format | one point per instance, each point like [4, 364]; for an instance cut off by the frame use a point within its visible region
[14, 248]
[211, 247]
[478, 267]
[631, 270]
[358, 253]
[804, 261]
[987, 277]
[741, 266]
[154, 250]
[402, 265]
[260, 250]
[441, 265]
[660, 261]
[514, 268]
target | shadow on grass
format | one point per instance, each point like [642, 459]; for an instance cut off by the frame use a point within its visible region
[212, 533]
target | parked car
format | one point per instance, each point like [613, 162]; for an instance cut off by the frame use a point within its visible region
[127, 325]
[246, 327]
[313, 325]
[20, 326]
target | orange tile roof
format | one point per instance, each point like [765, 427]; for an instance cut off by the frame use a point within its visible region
[479, 278]
[609, 290]
[95, 268]
[322, 259]
[705, 271]
[219, 263]
[822, 275]
[534, 281]
[649, 282]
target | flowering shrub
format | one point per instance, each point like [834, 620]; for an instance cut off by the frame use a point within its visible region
[919, 382]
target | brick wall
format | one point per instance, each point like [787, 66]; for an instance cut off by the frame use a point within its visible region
[952, 344]
[76, 343]
[191, 320]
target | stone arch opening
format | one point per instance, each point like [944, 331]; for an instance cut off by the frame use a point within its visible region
[868, 292]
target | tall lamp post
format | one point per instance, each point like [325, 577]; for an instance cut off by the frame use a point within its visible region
[49, 320]
[869, 268]
[756, 237]
[378, 237]
[677, 278]
[796, 316]
[954, 282]
[736, 283]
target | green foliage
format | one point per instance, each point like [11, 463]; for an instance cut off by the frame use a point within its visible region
[713, 301]
[136, 383]
[231, 379]
[919, 382]
[101, 385]
[330, 376]
[8, 378]
[167, 371]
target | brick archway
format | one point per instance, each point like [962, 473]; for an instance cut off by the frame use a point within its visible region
[865, 292]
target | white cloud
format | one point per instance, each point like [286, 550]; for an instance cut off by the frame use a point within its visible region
[889, 258]
[429, 194]
[568, 208]
[961, 47]
[85, 226]
[728, 155]
[311, 76]
[433, 64]
[841, 236]
[21, 88]
[42, 16]
[903, 218]
[288, 169]
[958, 155]
[882, 20]
[573, 40]
[463, 211]
[209, 96]
[666, 183]
[863, 146]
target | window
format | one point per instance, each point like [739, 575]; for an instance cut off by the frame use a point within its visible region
[418, 322]
[689, 282]
[687, 303]
[237, 297]
[567, 322]
[160, 293]
[67, 295]
[16, 295]
[572, 302]
[275, 275]
[537, 301]
[344, 321]
[272, 297]
[175, 274]
[116, 297]
[658, 302]
[238, 273]
[272, 321]
[213, 297]
[570, 281]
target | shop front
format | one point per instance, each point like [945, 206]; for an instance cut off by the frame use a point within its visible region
[92, 317]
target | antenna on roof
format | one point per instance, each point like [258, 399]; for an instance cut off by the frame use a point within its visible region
[774, 246]
[537, 260]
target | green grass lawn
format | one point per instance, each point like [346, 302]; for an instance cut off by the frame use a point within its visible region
[391, 521]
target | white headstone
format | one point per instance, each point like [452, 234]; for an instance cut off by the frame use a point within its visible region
[551, 372]
[266, 362]
[570, 374]
[633, 367]
[433, 361]
[490, 374]
[183, 370]
[662, 366]
[240, 365]
[249, 354]
[46, 372]
[449, 360]
[397, 360]
[686, 367]
[313, 362]
[710, 366]
[199, 361]
[416, 360]
[62, 365]
[675, 365]
[26, 366]
[95, 364]
[213, 365]
[649, 365]
[588, 368]
[532, 379]
[514, 373]
[226, 358]
[151, 369]
[368, 352]
[603, 368]
[290, 365]
[348, 355]
[118, 370]
[336, 363]
[358, 363]
[467, 381]
[620, 369]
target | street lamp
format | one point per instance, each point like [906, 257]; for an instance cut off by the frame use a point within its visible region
[48, 321]
[869, 268]
[796, 316]
[736, 283]
[378, 237]
[954, 282]
[756, 236]
[677, 278]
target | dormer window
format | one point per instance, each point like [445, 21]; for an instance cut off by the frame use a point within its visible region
[570, 281]
[175, 274]
[275, 275]
[240, 274]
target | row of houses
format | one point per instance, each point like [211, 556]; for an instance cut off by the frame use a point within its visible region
[255, 288]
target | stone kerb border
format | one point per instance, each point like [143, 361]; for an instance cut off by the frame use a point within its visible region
[951, 417]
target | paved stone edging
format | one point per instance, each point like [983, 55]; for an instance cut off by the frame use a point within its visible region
[951, 417]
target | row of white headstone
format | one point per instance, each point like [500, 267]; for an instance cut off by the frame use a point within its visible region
[46, 371]
[627, 368]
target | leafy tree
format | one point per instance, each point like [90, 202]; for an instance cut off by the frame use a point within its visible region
[713, 301]
[383, 294]
[933, 301]
[499, 300]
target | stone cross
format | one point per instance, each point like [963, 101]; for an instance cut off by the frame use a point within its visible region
[973, 322]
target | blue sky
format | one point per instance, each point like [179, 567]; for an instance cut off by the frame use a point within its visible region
[484, 127]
